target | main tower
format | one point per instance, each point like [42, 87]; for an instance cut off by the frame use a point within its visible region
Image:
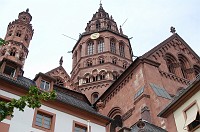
[14, 53]
[100, 55]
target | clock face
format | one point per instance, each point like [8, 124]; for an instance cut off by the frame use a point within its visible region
[94, 35]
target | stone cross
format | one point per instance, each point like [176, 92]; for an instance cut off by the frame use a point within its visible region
[172, 30]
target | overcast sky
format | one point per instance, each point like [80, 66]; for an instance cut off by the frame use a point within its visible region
[148, 22]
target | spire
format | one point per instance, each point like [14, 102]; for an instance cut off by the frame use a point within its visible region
[61, 61]
[100, 4]
[101, 7]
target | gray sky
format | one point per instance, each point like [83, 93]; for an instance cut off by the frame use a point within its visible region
[149, 23]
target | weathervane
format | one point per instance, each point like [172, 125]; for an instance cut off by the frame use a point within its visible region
[172, 30]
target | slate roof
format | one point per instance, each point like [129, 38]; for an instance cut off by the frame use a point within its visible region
[73, 98]
[147, 128]
[19, 81]
[80, 104]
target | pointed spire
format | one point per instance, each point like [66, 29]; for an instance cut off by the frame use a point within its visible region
[100, 7]
[61, 61]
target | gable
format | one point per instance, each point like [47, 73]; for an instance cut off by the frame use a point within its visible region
[175, 52]
[61, 76]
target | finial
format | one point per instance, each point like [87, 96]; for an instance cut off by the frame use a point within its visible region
[172, 30]
[61, 61]
[120, 29]
[27, 10]
[100, 4]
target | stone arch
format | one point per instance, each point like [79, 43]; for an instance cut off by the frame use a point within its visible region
[59, 81]
[102, 74]
[90, 47]
[116, 114]
[184, 65]
[170, 61]
[114, 60]
[113, 44]
[115, 75]
[101, 59]
[100, 45]
[196, 70]
[89, 62]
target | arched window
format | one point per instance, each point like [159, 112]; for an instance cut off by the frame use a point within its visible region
[117, 122]
[59, 81]
[13, 52]
[184, 64]
[90, 48]
[89, 63]
[87, 79]
[18, 33]
[95, 97]
[196, 70]
[114, 61]
[100, 45]
[101, 60]
[183, 68]
[170, 61]
[112, 46]
[124, 65]
[94, 78]
[115, 75]
[121, 50]
[26, 38]
[98, 25]
[102, 77]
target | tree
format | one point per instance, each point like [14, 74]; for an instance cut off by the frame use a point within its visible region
[2, 41]
[32, 100]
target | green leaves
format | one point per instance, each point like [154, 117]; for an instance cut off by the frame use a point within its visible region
[32, 100]
[2, 41]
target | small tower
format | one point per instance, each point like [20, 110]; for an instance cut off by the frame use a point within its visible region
[14, 53]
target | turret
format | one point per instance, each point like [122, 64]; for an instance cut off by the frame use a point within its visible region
[14, 53]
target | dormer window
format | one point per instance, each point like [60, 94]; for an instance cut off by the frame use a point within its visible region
[44, 85]
[10, 71]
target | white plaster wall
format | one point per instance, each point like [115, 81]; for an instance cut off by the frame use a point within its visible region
[178, 114]
[22, 121]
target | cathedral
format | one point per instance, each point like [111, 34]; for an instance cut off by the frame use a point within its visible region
[106, 91]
